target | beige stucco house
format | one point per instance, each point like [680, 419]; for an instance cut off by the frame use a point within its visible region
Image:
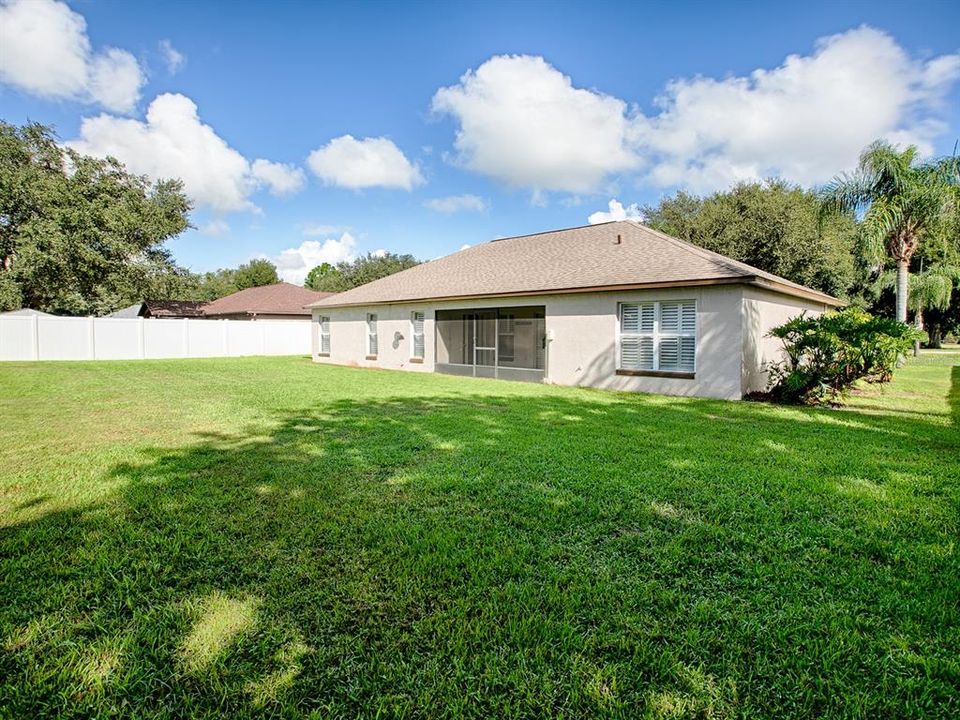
[616, 305]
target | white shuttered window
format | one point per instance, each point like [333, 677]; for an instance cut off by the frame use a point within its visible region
[372, 343]
[659, 336]
[324, 334]
[416, 326]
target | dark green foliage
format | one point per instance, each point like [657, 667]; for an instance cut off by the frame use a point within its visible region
[772, 226]
[255, 273]
[369, 267]
[827, 354]
[79, 235]
[268, 538]
[322, 276]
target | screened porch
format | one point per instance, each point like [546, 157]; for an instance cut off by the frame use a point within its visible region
[505, 343]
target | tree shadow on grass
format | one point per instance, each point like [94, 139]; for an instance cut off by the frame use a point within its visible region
[498, 555]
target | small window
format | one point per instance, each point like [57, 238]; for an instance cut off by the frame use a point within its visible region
[324, 334]
[372, 334]
[416, 332]
[658, 336]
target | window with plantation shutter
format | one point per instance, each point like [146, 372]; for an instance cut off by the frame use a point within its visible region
[658, 336]
[416, 327]
[372, 334]
[325, 335]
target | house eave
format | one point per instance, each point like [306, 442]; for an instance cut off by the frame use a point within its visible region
[735, 280]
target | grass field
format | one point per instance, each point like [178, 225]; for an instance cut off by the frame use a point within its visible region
[265, 537]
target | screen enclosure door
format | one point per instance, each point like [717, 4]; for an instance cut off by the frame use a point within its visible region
[506, 343]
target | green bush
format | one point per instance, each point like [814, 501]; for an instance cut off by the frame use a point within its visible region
[828, 353]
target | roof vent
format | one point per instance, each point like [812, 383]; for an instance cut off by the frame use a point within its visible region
[616, 240]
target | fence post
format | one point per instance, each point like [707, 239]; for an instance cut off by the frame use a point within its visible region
[186, 337]
[141, 343]
[226, 337]
[93, 339]
[36, 337]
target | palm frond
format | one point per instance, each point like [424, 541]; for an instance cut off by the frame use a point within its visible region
[882, 220]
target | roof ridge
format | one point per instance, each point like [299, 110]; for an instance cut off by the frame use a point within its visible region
[551, 232]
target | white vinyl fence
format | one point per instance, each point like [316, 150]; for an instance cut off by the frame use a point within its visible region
[88, 338]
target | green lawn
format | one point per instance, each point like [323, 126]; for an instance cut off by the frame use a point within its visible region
[254, 537]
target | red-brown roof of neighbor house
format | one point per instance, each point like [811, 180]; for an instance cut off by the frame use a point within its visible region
[278, 299]
[608, 256]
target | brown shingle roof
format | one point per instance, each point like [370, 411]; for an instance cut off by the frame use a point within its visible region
[278, 299]
[577, 259]
[173, 308]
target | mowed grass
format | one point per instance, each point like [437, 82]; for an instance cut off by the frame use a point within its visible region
[267, 537]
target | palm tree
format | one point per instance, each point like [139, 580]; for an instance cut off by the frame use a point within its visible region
[930, 289]
[899, 200]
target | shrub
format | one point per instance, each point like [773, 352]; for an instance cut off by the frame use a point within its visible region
[825, 355]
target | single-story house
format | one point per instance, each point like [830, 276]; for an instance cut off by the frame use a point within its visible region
[161, 309]
[615, 305]
[280, 301]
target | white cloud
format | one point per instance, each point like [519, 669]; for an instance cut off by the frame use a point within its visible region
[172, 142]
[806, 120]
[456, 203]
[279, 178]
[215, 228]
[616, 211]
[379, 253]
[45, 50]
[293, 264]
[368, 162]
[172, 58]
[523, 122]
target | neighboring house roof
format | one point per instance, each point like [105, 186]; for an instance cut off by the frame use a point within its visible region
[278, 299]
[173, 308]
[131, 311]
[614, 255]
[27, 312]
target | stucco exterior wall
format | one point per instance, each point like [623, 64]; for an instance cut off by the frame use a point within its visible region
[764, 310]
[348, 336]
[581, 333]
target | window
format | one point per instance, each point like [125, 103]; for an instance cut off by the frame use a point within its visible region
[658, 336]
[416, 332]
[372, 334]
[324, 335]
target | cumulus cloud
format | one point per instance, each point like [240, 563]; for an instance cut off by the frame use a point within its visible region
[172, 58]
[45, 50]
[367, 162]
[172, 142]
[806, 120]
[281, 179]
[523, 122]
[456, 203]
[616, 211]
[215, 228]
[293, 264]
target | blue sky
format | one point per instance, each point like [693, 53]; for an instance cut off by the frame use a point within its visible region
[318, 131]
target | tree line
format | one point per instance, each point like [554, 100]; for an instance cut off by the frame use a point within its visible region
[81, 235]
